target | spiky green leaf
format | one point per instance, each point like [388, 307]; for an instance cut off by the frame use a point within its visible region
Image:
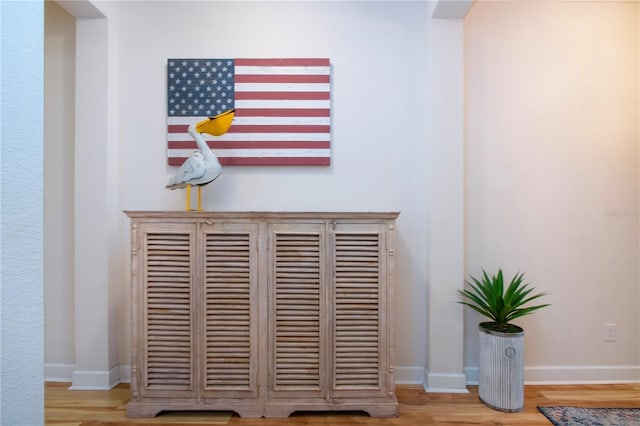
[488, 297]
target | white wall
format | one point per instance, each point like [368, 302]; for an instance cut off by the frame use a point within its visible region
[552, 116]
[444, 363]
[21, 214]
[551, 156]
[59, 114]
[378, 57]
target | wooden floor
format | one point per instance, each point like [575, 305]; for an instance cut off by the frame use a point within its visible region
[417, 408]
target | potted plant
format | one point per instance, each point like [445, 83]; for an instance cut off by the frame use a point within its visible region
[501, 343]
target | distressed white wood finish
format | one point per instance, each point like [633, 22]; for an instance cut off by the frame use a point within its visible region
[262, 313]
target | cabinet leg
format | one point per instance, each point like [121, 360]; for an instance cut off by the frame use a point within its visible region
[382, 410]
[142, 410]
[255, 412]
[277, 412]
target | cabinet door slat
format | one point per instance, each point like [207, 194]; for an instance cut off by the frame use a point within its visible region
[168, 311]
[357, 308]
[297, 313]
[228, 311]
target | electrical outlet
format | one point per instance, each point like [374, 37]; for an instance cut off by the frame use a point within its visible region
[610, 332]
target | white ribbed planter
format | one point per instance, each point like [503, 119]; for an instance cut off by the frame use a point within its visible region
[501, 370]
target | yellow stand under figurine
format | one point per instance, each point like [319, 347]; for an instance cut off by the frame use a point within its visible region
[202, 167]
[188, 198]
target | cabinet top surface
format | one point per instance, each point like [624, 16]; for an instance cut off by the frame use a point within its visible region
[139, 214]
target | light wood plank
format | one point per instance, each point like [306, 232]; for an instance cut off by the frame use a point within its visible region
[417, 408]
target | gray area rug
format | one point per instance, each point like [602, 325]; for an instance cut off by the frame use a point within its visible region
[576, 416]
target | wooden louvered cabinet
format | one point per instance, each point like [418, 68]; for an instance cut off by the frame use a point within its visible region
[262, 313]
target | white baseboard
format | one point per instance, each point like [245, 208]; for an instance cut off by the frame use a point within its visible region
[125, 373]
[58, 372]
[445, 382]
[581, 374]
[94, 380]
[409, 375]
[64, 373]
[405, 375]
[471, 374]
[571, 374]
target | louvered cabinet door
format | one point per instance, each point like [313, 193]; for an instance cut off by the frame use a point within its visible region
[164, 347]
[230, 310]
[297, 314]
[359, 299]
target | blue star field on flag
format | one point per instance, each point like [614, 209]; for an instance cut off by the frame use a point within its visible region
[200, 87]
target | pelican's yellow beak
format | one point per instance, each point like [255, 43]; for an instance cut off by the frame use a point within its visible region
[216, 125]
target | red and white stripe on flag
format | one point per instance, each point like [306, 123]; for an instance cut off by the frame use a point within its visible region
[283, 110]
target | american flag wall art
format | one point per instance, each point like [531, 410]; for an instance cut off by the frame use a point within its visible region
[283, 110]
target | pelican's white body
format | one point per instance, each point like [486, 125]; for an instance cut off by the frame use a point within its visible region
[201, 168]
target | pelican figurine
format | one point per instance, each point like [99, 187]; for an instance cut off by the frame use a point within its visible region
[202, 167]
